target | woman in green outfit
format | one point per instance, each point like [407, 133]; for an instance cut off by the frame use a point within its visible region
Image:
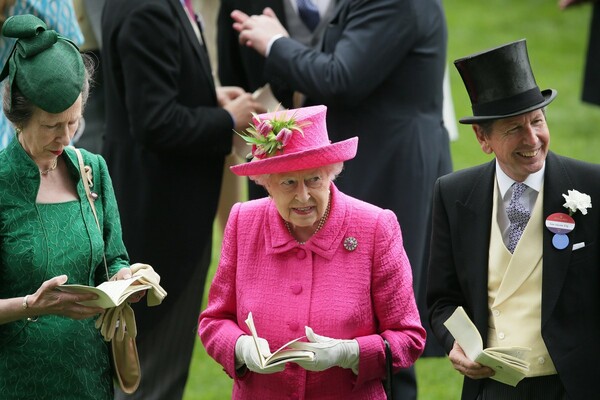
[49, 346]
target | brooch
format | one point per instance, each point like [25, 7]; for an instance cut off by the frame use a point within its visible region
[350, 243]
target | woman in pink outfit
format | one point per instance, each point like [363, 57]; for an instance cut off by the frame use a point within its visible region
[309, 261]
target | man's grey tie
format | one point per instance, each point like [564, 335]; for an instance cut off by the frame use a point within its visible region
[309, 14]
[518, 216]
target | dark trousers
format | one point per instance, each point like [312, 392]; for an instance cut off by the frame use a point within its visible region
[539, 388]
[166, 351]
[404, 384]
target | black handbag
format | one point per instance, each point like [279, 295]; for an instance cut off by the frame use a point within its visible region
[387, 382]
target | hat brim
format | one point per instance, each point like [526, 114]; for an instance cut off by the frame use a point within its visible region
[549, 95]
[307, 159]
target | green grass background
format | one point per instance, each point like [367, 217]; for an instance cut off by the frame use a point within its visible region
[557, 42]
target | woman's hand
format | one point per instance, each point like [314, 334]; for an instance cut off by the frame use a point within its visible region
[328, 352]
[246, 354]
[466, 367]
[49, 300]
[125, 273]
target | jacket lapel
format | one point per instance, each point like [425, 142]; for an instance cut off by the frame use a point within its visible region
[556, 262]
[199, 49]
[474, 221]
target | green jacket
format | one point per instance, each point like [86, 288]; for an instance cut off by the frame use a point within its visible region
[19, 183]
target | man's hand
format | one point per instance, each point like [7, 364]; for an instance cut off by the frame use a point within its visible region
[256, 31]
[225, 94]
[241, 109]
[466, 367]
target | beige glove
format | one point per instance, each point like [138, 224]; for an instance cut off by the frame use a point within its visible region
[120, 321]
[117, 321]
[148, 276]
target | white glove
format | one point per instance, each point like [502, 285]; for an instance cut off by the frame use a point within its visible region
[328, 352]
[245, 353]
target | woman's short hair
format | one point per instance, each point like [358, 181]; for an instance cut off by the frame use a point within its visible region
[19, 109]
[331, 170]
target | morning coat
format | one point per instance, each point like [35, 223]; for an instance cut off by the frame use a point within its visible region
[458, 269]
[166, 139]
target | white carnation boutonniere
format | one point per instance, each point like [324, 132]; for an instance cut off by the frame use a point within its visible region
[577, 201]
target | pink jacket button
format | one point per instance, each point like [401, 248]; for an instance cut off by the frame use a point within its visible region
[297, 289]
[301, 254]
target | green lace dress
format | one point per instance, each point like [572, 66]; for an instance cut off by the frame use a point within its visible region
[54, 357]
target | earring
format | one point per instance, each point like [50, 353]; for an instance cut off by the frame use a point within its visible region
[18, 131]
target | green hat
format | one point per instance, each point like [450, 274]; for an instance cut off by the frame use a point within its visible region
[47, 67]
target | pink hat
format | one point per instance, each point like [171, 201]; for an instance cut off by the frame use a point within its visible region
[292, 140]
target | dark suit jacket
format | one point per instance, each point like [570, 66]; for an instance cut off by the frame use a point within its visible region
[380, 72]
[458, 269]
[241, 65]
[166, 138]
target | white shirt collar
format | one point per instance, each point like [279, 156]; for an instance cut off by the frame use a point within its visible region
[534, 181]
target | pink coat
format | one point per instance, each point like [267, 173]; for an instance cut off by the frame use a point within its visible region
[362, 294]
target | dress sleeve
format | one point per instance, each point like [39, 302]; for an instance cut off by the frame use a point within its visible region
[114, 248]
[218, 325]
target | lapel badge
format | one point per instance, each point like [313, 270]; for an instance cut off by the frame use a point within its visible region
[350, 243]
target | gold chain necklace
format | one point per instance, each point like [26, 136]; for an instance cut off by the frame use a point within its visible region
[319, 226]
[52, 168]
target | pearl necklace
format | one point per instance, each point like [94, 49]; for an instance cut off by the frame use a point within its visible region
[319, 226]
[52, 168]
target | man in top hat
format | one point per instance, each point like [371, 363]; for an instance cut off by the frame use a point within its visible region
[514, 241]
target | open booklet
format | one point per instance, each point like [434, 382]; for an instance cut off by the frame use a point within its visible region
[507, 362]
[110, 293]
[281, 355]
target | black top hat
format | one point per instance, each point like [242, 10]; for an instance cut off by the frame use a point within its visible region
[500, 83]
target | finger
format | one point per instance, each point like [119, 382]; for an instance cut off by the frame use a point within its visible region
[129, 318]
[52, 283]
[99, 320]
[106, 330]
[239, 16]
[124, 273]
[268, 11]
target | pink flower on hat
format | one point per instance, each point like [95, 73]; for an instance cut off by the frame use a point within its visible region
[284, 136]
[270, 136]
[264, 127]
[258, 152]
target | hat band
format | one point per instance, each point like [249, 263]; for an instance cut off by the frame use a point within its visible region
[511, 104]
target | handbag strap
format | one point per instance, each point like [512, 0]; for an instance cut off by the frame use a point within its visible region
[387, 383]
[87, 183]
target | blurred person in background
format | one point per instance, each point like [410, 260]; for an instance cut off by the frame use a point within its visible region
[168, 130]
[591, 78]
